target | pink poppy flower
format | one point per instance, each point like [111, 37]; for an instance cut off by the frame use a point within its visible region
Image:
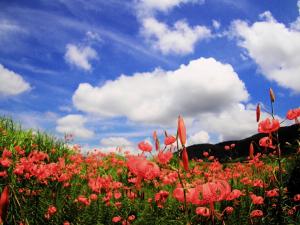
[268, 126]
[145, 146]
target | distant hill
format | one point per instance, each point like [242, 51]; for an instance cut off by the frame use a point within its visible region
[287, 137]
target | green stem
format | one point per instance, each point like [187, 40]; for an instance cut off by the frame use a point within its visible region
[186, 213]
[279, 204]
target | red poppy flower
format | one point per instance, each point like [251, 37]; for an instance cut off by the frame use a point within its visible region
[293, 114]
[234, 194]
[256, 213]
[297, 198]
[203, 211]
[228, 210]
[215, 191]
[164, 158]
[257, 200]
[266, 142]
[145, 146]
[169, 140]
[116, 219]
[272, 193]
[268, 126]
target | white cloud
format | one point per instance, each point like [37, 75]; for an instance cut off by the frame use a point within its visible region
[146, 7]
[179, 39]
[112, 144]
[92, 36]
[7, 28]
[42, 121]
[80, 56]
[12, 83]
[74, 124]
[115, 142]
[216, 24]
[296, 24]
[274, 47]
[239, 121]
[158, 97]
[267, 16]
[198, 138]
[234, 123]
[65, 108]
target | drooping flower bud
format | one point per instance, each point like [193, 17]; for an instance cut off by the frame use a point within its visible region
[181, 130]
[257, 112]
[272, 95]
[251, 151]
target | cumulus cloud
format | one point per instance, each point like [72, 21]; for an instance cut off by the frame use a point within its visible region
[198, 138]
[158, 97]
[115, 142]
[179, 39]
[296, 24]
[12, 83]
[112, 144]
[239, 121]
[80, 56]
[74, 124]
[274, 47]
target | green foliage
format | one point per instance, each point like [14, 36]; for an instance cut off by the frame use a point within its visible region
[61, 176]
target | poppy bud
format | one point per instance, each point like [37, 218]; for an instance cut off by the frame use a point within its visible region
[154, 136]
[272, 95]
[156, 141]
[257, 112]
[251, 151]
[4, 199]
[185, 159]
[181, 131]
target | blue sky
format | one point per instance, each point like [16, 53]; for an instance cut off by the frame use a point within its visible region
[111, 72]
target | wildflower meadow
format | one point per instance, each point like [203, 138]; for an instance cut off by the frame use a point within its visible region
[45, 181]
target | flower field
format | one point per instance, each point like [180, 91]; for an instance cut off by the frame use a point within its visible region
[44, 181]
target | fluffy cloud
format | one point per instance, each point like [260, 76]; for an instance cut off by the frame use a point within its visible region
[274, 47]
[179, 39]
[239, 121]
[80, 56]
[115, 142]
[158, 97]
[111, 144]
[74, 124]
[296, 24]
[200, 137]
[11, 83]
